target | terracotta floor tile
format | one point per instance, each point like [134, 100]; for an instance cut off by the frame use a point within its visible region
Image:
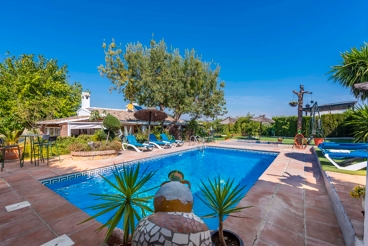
[324, 232]
[50, 203]
[287, 207]
[69, 224]
[59, 212]
[320, 215]
[315, 242]
[287, 221]
[16, 227]
[262, 243]
[280, 237]
[9, 198]
[259, 191]
[316, 194]
[34, 237]
[88, 236]
[5, 189]
[296, 199]
[321, 204]
[358, 225]
[354, 211]
[266, 185]
[247, 225]
[6, 217]
[14, 179]
[42, 174]
[45, 195]
[291, 189]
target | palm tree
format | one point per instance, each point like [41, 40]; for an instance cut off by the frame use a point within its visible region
[353, 70]
[359, 123]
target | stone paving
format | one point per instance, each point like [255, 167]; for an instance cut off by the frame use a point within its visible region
[290, 203]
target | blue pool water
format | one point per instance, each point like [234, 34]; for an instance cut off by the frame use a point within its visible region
[244, 166]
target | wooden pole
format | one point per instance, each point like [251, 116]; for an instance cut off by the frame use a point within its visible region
[300, 95]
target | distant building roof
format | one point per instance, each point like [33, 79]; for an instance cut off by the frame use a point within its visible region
[121, 114]
[228, 120]
[333, 106]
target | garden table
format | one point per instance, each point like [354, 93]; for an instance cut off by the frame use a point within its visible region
[31, 140]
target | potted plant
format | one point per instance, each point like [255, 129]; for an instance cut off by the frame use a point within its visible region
[222, 199]
[358, 192]
[318, 138]
[128, 203]
[11, 138]
[293, 103]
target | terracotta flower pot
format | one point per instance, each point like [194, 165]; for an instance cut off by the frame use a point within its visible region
[12, 153]
[317, 141]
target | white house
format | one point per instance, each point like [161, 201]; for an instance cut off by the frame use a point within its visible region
[81, 124]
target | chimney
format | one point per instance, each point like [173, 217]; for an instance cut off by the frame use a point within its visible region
[86, 100]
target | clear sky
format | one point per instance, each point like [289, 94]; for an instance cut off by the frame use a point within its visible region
[265, 49]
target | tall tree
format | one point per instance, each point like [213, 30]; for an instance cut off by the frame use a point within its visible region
[35, 90]
[154, 76]
[352, 70]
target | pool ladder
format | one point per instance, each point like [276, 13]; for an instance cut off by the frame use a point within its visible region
[198, 140]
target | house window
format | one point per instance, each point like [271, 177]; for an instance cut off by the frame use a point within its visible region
[53, 131]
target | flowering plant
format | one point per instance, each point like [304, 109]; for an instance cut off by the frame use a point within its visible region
[358, 191]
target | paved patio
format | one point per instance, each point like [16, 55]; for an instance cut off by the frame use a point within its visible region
[290, 203]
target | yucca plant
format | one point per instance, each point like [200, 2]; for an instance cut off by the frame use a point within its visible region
[222, 199]
[359, 123]
[127, 201]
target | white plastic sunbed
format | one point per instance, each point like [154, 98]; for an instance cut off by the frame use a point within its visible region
[329, 154]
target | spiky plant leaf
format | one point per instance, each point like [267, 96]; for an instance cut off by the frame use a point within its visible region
[126, 202]
[359, 123]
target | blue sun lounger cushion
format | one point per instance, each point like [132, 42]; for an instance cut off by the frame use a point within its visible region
[132, 142]
[153, 140]
[348, 146]
[164, 138]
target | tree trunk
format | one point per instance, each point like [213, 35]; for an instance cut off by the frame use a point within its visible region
[221, 232]
[108, 135]
[172, 129]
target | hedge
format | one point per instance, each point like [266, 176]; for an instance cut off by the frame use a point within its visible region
[333, 125]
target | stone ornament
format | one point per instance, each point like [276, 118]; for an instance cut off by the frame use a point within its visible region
[173, 222]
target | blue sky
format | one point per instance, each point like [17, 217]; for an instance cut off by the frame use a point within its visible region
[265, 49]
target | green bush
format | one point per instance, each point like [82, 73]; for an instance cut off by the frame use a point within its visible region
[99, 135]
[112, 124]
[334, 125]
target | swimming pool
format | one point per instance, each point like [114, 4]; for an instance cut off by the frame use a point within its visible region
[242, 165]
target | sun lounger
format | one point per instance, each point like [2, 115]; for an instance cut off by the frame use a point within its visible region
[351, 155]
[164, 138]
[159, 144]
[132, 142]
[347, 146]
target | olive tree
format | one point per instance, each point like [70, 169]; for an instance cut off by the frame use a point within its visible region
[155, 76]
[33, 90]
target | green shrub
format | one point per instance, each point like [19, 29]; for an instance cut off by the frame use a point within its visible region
[99, 135]
[79, 147]
[112, 124]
